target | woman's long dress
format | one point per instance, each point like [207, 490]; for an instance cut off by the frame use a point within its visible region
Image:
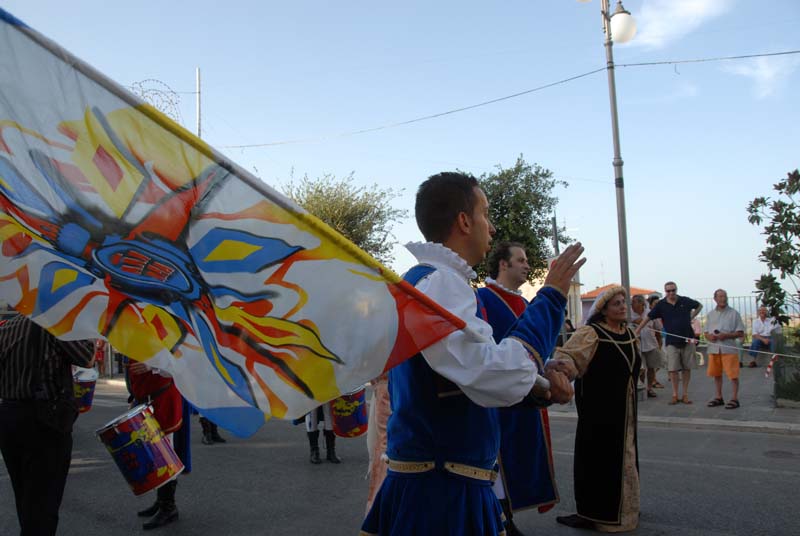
[606, 469]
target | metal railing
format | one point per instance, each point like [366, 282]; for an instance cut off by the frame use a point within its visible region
[747, 306]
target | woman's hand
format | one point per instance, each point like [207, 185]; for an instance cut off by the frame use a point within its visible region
[565, 367]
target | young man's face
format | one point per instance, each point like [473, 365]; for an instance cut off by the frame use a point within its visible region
[482, 228]
[516, 269]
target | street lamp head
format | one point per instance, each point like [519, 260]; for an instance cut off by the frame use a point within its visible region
[623, 27]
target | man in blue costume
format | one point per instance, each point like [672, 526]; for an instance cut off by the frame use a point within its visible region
[527, 475]
[444, 432]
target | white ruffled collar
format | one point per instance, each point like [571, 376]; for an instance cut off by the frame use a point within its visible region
[439, 254]
[490, 281]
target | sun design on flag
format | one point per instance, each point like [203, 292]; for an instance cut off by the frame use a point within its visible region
[115, 206]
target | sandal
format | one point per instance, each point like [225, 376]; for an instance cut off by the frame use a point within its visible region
[686, 400]
[657, 385]
[651, 394]
[673, 401]
[715, 402]
[733, 404]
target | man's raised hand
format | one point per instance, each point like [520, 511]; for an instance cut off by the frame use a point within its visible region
[564, 268]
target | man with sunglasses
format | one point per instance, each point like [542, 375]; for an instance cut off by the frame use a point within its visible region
[677, 312]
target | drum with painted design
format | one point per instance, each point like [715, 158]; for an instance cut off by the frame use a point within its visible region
[83, 384]
[349, 413]
[140, 449]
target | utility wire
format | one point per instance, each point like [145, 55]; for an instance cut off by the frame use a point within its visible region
[418, 119]
[704, 60]
[507, 97]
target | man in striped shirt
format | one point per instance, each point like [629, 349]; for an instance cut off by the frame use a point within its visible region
[37, 409]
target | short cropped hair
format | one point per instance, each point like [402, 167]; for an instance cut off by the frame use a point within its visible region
[638, 299]
[440, 199]
[501, 252]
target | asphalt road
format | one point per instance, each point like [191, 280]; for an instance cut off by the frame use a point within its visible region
[694, 482]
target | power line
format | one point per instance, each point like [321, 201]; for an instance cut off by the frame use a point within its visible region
[704, 60]
[418, 119]
[507, 97]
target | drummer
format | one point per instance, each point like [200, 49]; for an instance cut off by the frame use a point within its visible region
[37, 410]
[321, 415]
[157, 388]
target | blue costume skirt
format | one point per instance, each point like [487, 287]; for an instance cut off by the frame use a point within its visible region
[434, 502]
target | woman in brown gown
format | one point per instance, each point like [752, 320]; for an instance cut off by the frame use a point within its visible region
[604, 360]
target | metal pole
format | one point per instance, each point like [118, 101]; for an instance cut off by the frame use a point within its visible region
[555, 236]
[197, 77]
[558, 252]
[618, 181]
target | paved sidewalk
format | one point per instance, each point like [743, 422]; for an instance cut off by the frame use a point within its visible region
[757, 411]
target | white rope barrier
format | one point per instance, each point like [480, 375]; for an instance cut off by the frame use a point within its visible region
[693, 340]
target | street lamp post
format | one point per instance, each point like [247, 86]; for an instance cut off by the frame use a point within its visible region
[620, 27]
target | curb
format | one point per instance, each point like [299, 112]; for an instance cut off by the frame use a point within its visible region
[704, 424]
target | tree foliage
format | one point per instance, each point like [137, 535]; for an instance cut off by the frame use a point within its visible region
[364, 216]
[780, 220]
[521, 204]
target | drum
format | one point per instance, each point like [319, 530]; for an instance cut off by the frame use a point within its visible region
[349, 413]
[141, 451]
[83, 383]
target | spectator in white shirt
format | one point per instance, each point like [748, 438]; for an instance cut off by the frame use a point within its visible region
[764, 331]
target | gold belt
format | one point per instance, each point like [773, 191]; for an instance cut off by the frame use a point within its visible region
[451, 467]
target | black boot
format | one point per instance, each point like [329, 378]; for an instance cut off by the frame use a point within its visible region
[511, 528]
[215, 437]
[313, 441]
[149, 512]
[167, 511]
[330, 446]
[208, 438]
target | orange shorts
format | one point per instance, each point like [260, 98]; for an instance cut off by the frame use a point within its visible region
[727, 362]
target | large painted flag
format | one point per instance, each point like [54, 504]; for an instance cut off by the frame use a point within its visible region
[117, 223]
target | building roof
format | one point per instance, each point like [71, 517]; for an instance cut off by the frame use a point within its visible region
[599, 290]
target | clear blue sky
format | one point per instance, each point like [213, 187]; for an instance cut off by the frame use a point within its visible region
[699, 140]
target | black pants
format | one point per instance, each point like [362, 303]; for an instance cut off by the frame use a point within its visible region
[37, 459]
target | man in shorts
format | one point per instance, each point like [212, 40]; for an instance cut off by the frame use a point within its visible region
[677, 313]
[723, 325]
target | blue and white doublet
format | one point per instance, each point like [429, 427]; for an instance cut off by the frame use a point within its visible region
[444, 433]
[527, 472]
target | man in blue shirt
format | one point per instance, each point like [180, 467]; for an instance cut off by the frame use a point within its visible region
[677, 312]
[444, 432]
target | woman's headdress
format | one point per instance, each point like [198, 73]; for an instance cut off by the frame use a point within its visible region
[602, 300]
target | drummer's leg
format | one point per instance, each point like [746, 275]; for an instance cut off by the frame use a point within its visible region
[49, 458]
[327, 418]
[312, 431]
[15, 429]
[330, 437]
[312, 421]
